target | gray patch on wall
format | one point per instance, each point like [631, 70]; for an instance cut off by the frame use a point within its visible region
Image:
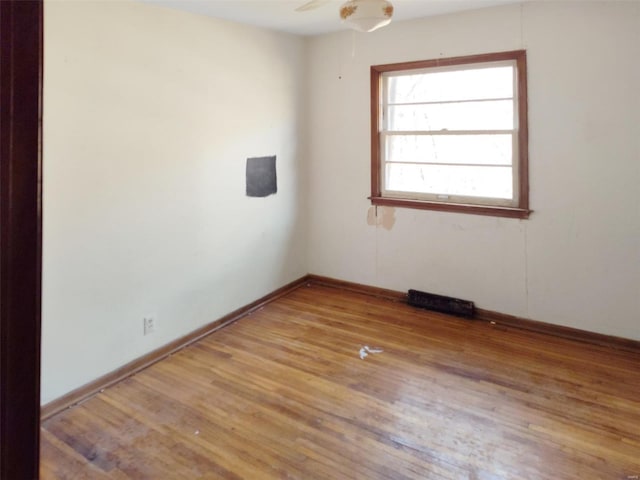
[261, 176]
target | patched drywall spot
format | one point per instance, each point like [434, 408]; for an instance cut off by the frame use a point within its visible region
[388, 217]
[383, 216]
[261, 176]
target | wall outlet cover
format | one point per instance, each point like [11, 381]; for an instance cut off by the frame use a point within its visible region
[148, 325]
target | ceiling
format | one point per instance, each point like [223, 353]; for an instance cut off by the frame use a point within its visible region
[281, 15]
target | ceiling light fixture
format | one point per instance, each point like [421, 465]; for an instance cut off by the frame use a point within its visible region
[366, 15]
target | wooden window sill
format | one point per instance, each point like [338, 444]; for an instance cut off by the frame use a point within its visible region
[487, 210]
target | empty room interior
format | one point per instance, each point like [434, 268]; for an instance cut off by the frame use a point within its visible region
[235, 212]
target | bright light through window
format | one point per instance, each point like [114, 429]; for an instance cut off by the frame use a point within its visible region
[451, 131]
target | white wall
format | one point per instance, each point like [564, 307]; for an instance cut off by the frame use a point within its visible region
[576, 261]
[149, 116]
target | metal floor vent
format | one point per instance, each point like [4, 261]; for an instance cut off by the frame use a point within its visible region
[439, 303]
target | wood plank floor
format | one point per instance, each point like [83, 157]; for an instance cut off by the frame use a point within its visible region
[282, 393]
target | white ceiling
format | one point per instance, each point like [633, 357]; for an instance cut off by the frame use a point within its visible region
[281, 14]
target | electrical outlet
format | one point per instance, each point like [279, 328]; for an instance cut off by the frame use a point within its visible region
[149, 325]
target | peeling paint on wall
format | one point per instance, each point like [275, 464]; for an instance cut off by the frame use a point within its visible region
[383, 216]
[388, 217]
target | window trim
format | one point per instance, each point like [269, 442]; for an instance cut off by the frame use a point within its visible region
[522, 209]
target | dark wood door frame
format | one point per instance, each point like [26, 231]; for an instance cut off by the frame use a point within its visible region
[20, 237]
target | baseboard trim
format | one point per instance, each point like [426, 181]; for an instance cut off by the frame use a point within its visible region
[357, 287]
[496, 318]
[88, 390]
[570, 333]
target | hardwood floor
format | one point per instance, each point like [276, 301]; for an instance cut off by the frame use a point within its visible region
[283, 393]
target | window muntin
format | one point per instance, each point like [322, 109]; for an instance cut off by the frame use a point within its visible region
[453, 116]
[451, 132]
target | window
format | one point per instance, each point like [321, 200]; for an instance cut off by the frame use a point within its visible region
[451, 134]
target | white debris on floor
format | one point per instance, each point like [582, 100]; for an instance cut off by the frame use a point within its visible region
[366, 350]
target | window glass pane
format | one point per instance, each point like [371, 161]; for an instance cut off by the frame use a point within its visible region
[474, 149]
[488, 115]
[495, 82]
[490, 182]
